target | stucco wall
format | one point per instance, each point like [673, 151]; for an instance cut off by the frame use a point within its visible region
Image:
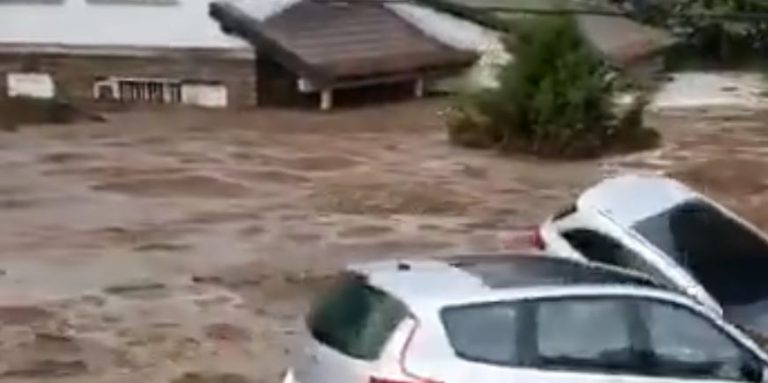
[75, 74]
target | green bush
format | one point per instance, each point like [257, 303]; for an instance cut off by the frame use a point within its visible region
[723, 41]
[15, 111]
[554, 99]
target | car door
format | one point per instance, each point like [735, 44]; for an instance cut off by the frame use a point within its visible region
[681, 344]
[551, 341]
[635, 340]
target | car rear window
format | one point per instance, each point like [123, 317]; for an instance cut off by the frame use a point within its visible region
[355, 318]
[726, 257]
[484, 333]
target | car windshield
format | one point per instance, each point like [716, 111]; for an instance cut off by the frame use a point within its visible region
[726, 257]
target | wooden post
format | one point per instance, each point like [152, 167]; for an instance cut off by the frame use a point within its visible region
[418, 88]
[326, 99]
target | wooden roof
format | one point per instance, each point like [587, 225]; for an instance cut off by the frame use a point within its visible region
[623, 41]
[330, 42]
[620, 40]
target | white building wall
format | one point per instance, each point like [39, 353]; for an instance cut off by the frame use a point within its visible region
[34, 85]
[205, 95]
[168, 24]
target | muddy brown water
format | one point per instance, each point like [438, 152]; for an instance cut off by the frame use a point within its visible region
[182, 245]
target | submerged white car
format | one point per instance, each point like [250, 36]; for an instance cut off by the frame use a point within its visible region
[685, 240]
[516, 318]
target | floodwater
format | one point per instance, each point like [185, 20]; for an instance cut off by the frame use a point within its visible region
[183, 245]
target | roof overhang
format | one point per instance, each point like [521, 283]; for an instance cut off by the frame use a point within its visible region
[234, 21]
[335, 71]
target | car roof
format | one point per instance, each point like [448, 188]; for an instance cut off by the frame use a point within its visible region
[629, 199]
[461, 277]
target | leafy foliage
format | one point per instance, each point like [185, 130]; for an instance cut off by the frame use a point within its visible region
[553, 100]
[725, 30]
[17, 111]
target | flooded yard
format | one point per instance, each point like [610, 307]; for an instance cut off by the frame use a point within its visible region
[182, 245]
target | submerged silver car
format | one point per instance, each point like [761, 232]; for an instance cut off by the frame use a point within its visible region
[515, 318]
[660, 227]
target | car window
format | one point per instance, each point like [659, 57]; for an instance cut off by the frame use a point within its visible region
[618, 335]
[596, 247]
[484, 333]
[685, 344]
[355, 318]
[723, 255]
[584, 334]
[601, 248]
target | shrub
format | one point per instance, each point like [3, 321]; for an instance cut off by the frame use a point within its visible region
[15, 111]
[715, 40]
[554, 99]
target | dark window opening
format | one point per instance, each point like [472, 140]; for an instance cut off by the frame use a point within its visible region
[371, 94]
[150, 91]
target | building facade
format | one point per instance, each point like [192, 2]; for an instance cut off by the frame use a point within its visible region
[128, 51]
